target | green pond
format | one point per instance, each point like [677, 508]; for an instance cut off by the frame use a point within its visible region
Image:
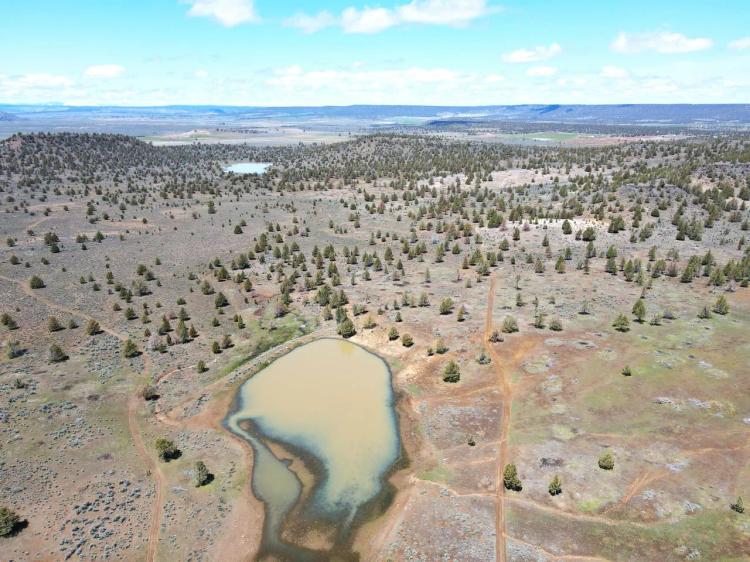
[332, 403]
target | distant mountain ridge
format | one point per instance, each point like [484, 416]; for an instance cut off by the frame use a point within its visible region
[621, 114]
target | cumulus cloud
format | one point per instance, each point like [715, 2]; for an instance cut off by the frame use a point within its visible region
[311, 24]
[665, 42]
[610, 71]
[740, 44]
[104, 71]
[442, 12]
[541, 71]
[201, 73]
[455, 13]
[228, 13]
[535, 54]
[368, 20]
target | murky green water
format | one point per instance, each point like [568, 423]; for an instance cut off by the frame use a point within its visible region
[332, 400]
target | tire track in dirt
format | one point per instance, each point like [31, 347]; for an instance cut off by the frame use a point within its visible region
[504, 383]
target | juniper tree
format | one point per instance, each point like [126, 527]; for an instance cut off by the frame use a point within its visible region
[130, 349]
[621, 323]
[555, 486]
[56, 354]
[511, 481]
[202, 475]
[639, 310]
[451, 373]
[606, 461]
[93, 328]
[166, 449]
[9, 521]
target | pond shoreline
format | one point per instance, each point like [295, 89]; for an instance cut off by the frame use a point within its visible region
[302, 517]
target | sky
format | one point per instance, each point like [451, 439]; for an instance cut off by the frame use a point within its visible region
[342, 52]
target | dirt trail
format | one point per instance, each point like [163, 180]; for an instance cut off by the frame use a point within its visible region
[153, 468]
[504, 383]
[35, 294]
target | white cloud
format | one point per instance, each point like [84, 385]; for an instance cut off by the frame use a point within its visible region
[36, 88]
[740, 44]
[610, 71]
[311, 24]
[227, 12]
[201, 73]
[455, 13]
[541, 71]
[665, 42]
[369, 20]
[442, 12]
[104, 71]
[41, 81]
[534, 54]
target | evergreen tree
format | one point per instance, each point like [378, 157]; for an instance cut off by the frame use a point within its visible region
[621, 323]
[639, 310]
[511, 481]
[555, 486]
[606, 461]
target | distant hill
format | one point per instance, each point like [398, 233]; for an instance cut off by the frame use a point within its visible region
[144, 121]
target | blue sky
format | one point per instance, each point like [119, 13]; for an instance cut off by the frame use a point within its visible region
[338, 52]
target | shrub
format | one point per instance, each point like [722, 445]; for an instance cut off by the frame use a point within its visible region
[510, 325]
[9, 521]
[56, 354]
[149, 392]
[440, 347]
[626, 371]
[607, 461]
[201, 366]
[166, 449]
[53, 324]
[446, 306]
[555, 325]
[36, 282]
[721, 306]
[14, 350]
[393, 334]
[93, 328]
[407, 340]
[483, 359]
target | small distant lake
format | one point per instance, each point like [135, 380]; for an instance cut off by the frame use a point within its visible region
[248, 167]
[330, 405]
